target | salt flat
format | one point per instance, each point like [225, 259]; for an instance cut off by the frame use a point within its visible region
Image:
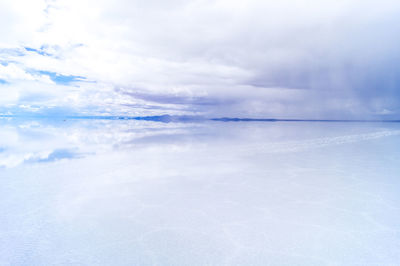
[212, 193]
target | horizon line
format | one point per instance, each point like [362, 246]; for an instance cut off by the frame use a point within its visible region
[192, 118]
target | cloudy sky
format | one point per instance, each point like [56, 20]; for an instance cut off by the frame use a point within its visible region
[254, 58]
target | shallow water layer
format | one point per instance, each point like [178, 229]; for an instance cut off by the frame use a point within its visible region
[94, 192]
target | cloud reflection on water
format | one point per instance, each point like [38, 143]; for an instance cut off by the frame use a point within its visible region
[98, 192]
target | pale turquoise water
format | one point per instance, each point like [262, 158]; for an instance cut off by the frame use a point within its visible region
[90, 192]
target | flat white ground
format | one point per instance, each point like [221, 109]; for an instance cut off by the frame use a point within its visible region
[130, 193]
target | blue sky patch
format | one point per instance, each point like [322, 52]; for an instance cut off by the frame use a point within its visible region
[38, 51]
[58, 155]
[62, 79]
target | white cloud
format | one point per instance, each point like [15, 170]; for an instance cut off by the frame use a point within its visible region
[14, 72]
[229, 51]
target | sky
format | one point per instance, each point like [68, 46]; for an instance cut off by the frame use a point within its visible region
[330, 59]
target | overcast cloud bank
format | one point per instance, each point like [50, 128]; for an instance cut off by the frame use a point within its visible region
[285, 59]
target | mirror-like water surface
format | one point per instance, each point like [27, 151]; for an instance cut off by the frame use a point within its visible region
[98, 192]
